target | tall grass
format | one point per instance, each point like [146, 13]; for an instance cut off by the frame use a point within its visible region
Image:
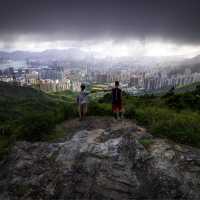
[182, 127]
[28, 114]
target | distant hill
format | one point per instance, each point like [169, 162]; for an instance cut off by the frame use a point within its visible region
[175, 64]
[51, 54]
[193, 64]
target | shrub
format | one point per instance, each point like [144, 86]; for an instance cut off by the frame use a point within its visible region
[130, 111]
[35, 126]
[107, 98]
[100, 109]
[70, 111]
[146, 142]
[183, 101]
[181, 127]
[4, 146]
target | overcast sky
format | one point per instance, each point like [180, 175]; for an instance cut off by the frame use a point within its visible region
[25, 23]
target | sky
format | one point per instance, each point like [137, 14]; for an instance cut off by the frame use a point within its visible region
[117, 27]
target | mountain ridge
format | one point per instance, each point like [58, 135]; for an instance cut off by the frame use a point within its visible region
[78, 54]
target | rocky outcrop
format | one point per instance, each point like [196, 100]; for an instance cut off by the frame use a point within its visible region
[113, 163]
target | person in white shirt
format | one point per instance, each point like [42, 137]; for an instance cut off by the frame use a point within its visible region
[82, 101]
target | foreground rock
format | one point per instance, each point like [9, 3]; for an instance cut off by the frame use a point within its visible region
[102, 164]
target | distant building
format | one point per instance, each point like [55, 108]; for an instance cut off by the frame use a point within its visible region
[55, 73]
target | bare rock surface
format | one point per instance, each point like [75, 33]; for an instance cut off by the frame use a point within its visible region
[102, 160]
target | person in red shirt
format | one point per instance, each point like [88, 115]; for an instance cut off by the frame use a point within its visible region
[117, 101]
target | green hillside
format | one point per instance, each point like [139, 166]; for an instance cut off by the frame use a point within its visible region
[29, 114]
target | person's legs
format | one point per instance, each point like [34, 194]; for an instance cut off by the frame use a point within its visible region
[120, 110]
[117, 111]
[120, 115]
[115, 115]
[84, 110]
[114, 110]
[81, 111]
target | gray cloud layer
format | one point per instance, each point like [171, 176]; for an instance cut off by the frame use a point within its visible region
[176, 20]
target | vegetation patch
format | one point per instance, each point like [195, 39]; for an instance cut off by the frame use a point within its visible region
[146, 142]
[29, 114]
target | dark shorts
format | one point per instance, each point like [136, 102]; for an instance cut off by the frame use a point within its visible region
[117, 107]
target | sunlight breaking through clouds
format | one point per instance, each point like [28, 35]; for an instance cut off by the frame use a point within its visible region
[109, 48]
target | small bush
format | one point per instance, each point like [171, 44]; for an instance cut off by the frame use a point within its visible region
[130, 111]
[107, 98]
[146, 142]
[181, 127]
[4, 146]
[100, 109]
[70, 110]
[35, 126]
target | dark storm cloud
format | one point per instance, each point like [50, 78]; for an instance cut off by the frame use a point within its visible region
[176, 20]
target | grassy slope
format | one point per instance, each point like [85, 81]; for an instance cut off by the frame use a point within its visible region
[29, 114]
